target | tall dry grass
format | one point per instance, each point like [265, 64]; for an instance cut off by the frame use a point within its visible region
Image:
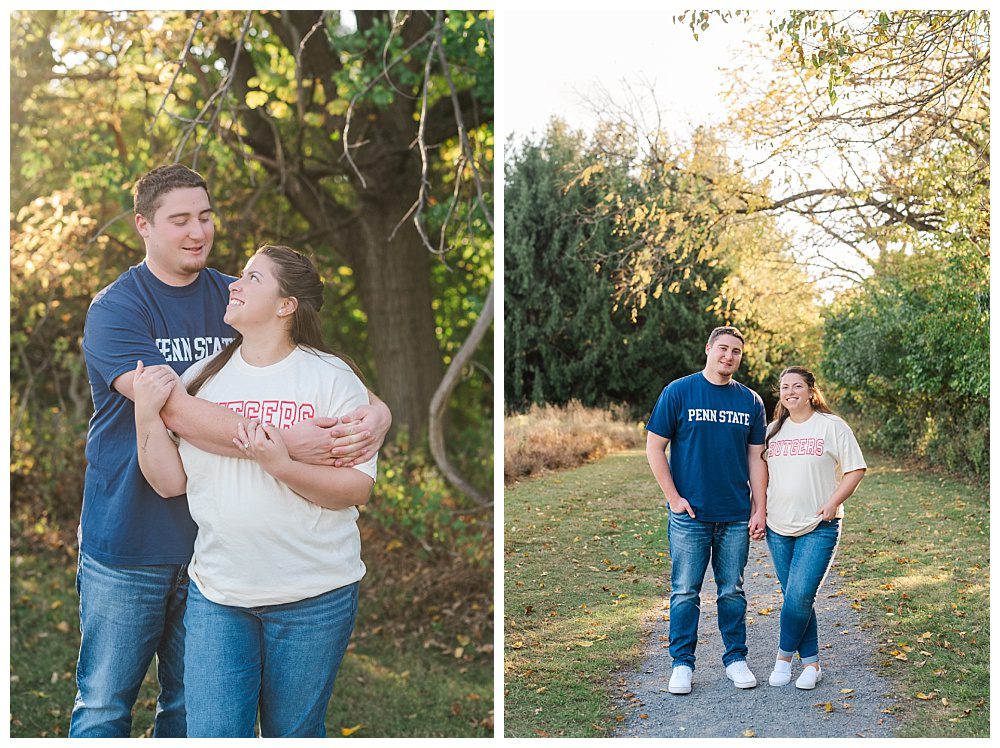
[550, 437]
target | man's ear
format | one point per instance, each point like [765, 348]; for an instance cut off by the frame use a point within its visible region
[142, 225]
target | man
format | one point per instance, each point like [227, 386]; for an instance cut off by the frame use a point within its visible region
[134, 545]
[715, 484]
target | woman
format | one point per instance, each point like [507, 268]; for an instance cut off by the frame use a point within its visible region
[277, 557]
[814, 464]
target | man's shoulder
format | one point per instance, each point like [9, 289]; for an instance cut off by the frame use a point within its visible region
[747, 392]
[684, 383]
[122, 290]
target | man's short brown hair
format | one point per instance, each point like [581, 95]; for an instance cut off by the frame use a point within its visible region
[152, 186]
[719, 331]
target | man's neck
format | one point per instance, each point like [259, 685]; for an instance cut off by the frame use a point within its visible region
[171, 279]
[716, 378]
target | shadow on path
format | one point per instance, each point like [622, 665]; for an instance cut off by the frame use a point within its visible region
[716, 708]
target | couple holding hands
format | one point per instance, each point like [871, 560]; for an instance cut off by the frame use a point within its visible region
[731, 478]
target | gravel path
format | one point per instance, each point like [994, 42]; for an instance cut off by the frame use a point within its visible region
[716, 708]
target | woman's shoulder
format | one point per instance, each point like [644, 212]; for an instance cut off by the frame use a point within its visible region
[324, 361]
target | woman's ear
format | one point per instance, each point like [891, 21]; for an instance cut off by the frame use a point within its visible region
[288, 306]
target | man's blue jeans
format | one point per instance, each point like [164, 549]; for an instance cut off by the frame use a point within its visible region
[801, 564]
[128, 615]
[279, 659]
[692, 545]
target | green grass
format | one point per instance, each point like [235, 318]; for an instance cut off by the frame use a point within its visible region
[584, 564]
[405, 674]
[915, 551]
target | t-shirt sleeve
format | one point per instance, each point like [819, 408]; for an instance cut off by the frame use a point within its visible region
[663, 419]
[348, 393]
[115, 338]
[848, 450]
[758, 429]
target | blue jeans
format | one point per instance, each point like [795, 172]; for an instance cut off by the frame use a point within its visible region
[801, 564]
[128, 615]
[279, 659]
[692, 544]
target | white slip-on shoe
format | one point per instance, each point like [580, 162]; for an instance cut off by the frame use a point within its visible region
[782, 673]
[740, 674]
[680, 680]
[809, 678]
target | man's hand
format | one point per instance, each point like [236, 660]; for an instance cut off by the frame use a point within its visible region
[262, 442]
[679, 504]
[360, 434]
[152, 387]
[757, 526]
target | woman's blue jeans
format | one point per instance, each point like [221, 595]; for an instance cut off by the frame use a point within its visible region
[692, 545]
[128, 615]
[278, 660]
[801, 564]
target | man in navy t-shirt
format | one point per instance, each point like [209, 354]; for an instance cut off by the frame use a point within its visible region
[134, 545]
[714, 483]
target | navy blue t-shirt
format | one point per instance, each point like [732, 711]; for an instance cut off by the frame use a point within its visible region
[138, 317]
[710, 426]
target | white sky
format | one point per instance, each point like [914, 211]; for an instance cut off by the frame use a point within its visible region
[553, 60]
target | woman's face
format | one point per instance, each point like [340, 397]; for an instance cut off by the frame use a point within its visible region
[255, 299]
[794, 392]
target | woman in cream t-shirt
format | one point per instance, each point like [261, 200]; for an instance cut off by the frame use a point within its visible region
[814, 464]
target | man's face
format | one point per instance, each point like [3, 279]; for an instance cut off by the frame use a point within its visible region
[724, 355]
[179, 236]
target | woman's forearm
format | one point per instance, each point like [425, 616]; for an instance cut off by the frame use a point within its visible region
[848, 485]
[159, 459]
[326, 486]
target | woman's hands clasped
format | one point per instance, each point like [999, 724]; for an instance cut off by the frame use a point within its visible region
[263, 443]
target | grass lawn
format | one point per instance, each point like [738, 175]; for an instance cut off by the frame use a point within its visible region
[584, 565]
[915, 551]
[427, 674]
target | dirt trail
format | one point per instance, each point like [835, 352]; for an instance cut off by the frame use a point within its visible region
[716, 708]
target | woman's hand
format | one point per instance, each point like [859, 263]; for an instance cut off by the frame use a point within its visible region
[828, 511]
[263, 443]
[152, 387]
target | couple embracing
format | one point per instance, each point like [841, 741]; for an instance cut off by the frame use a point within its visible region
[227, 547]
[732, 478]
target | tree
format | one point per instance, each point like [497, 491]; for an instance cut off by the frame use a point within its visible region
[874, 126]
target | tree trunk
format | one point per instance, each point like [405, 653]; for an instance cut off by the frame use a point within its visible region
[394, 282]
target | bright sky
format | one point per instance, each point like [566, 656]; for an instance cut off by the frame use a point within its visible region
[554, 60]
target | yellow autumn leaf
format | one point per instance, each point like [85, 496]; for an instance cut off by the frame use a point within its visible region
[393, 544]
[256, 99]
[847, 690]
[828, 707]
[584, 644]
[926, 696]
[765, 611]
[517, 645]
[749, 734]
[348, 731]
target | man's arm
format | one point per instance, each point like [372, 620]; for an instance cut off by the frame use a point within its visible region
[328, 487]
[758, 491]
[361, 433]
[656, 456]
[212, 427]
[159, 459]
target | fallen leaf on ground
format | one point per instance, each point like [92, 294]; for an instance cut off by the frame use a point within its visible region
[926, 696]
[749, 734]
[348, 731]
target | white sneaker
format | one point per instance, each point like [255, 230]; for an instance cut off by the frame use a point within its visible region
[680, 680]
[809, 678]
[740, 674]
[782, 673]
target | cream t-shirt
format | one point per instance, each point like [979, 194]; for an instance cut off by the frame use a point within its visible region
[258, 542]
[805, 464]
